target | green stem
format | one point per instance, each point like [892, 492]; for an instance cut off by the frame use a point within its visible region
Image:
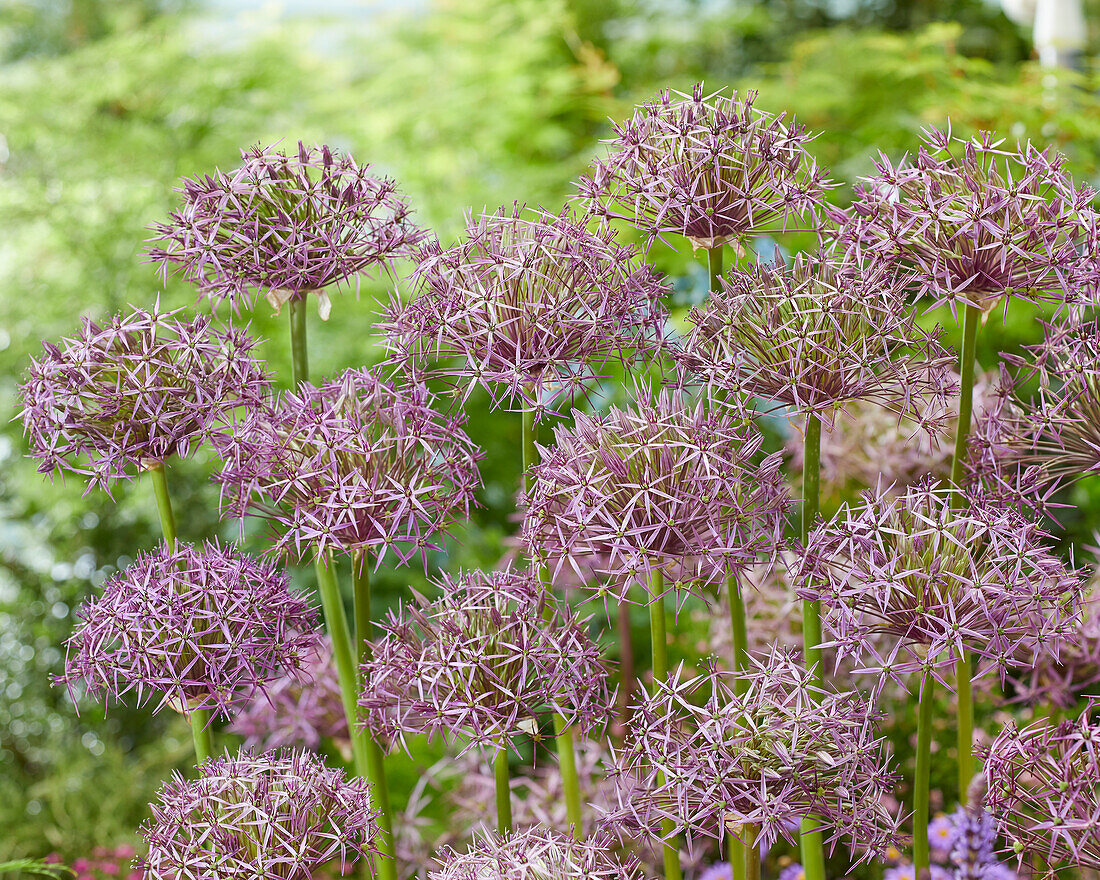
[714, 267]
[299, 354]
[964, 694]
[736, 856]
[201, 734]
[752, 855]
[921, 855]
[739, 629]
[503, 790]
[659, 639]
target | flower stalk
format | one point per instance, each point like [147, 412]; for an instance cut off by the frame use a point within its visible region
[503, 791]
[299, 352]
[921, 852]
[659, 641]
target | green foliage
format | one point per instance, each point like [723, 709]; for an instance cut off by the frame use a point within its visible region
[36, 868]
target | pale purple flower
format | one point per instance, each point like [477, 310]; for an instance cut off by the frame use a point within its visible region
[974, 837]
[355, 465]
[905, 871]
[723, 871]
[129, 394]
[284, 226]
[529, 306]
[793, 871]
[273, 816]
[941, 837]
[200, 627]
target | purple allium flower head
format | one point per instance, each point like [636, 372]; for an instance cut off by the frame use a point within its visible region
[357, 464]
[669, 484]
[483, 663]
[530, 306]
[144, 387]
[286, 226]
[274, 816]
[534, 854]
[711, 168]
[977, 222]
[711, 761]
[816, 336]
[1044, 789]
[941, 580]
[205, 627]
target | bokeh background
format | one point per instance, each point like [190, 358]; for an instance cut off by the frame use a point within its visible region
[106, 104]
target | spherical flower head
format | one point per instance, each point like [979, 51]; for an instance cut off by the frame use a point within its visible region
[940, 580]
[536, 853]
[816, 336]
[668, 484]
[711, 168]
[529, 306]
[203, 627]
[275, 816]
[125, 396]
[978, 222]
[713, 761]
[483, 663]
[358, 464]
[284, 226]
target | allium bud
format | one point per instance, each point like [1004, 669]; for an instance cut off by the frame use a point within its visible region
[285, 226]
[142, 388]
[273, 815]
[205, 627]
[357, 464]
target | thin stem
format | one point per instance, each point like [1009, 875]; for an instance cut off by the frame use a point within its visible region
[964, 694]
[503, 790]
[714, 267]
[659, 640]
[626, 663]
[752, 854]
[739, 628]
[201, 734]
[736, 856]
[299, 354]
[921, 855]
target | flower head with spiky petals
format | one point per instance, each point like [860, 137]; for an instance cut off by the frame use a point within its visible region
[712, 760]
[941, 580]
[275, 816]
[817, 335]
[711, 168]
[668, 484]
[355, 465]
[483, 663]
[146, 386]
[286, 226]
[536, 853]
[204, 626]
[529, 306]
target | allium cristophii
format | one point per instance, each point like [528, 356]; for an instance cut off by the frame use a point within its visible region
[817, 335]
[358, 464]
[483, 663]
[711, 168]
[203, 627]
[284, 226]
[273, 816]
[529, 305]
[977, 221]
[537, 853]
[131, 393]
[671, 483]
[940, 580]
[714, 761]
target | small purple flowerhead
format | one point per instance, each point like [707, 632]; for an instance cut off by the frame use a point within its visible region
[669, 485]
[711, 168]
[146, 386]
[274, 815]
[530, 306]
[284, 226]
[974, 838]
[941, 837]
[204, 626]
[483, 663]
[793, 871]
[712, 761]
[355, 465]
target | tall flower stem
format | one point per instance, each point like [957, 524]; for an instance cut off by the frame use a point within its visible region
[503, 791]
[921, 854]
[299, 356]
[752, 854]
[626, 663]
[659, 640]
[199, 718]
[714, 266]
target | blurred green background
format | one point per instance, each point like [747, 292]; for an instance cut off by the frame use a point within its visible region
[105, 104]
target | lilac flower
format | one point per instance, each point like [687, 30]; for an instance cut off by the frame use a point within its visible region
[286, 226]
[793, 871]
[357, 464]
[941, 837]
[147, 386]
[484, 662]
[973, 839]
[723, 871]
[905, 871]
[270, 816]
[711, 168]
[668, 484]
[529, 306]
[940, 580]
[817, 336]
[206, 627]
[713, 761]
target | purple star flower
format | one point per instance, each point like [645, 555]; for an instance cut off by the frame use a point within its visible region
[484, 662]
[357, 464]
[270, 816]
[286, 226]
[529, 306]
[146, 386]
[711, 168]
[206, 627]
